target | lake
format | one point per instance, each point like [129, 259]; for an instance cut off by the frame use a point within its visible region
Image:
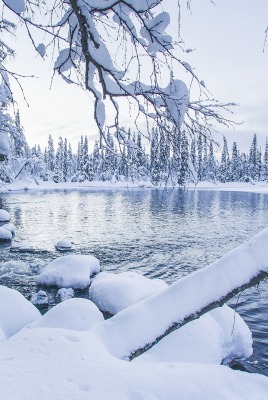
[159, 233]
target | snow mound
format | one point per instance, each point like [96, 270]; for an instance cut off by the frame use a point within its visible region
[114, 292]
[74, 314]
[9, 227]
[5, 235]
[63, 245]
[65, 294]
[48, 363]
[39, 298]
[69, 271]
[15, 311]
[218, 336]
[4, 216]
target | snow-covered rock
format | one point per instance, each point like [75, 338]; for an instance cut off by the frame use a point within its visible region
[39, 298]
[4, 216]
[15, 311]
[65, 294]
[74, 314]
[218, 336]
[5, 235]
[114, 292]
[9, 227]
[70, 271]
[63, 245]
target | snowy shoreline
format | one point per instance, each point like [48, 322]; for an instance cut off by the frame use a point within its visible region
[258, 187]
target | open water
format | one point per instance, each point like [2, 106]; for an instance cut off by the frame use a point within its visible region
[160, 233]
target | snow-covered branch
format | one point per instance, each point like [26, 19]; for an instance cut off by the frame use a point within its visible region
[136, 329]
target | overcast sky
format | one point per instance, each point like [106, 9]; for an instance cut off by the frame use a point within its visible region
[228, 37]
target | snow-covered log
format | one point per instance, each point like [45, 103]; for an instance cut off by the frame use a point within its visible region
[136, 329]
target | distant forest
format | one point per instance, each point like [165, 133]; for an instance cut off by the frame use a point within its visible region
[178, 162]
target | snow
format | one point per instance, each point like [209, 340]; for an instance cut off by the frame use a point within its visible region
[4, 143]
[9, 227]
[220, 335]
[41, 48]
[64, 244]
[39, 298]
[15, 311]
[18, 6]
[65, 294]
[73, 314]
[144, 322]
[4, 216]
[53, 363]
[5, 234]
[69, 271]
[114, 292]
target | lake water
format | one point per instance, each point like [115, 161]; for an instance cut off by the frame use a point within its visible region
[161, 234]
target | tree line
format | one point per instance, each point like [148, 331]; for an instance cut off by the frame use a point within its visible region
[177, 160]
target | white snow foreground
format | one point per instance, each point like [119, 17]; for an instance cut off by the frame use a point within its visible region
[114, 292]
[73, 271]
[72, 353]
[15, 312]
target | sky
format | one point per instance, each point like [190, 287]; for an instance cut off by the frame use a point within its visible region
[227, 38]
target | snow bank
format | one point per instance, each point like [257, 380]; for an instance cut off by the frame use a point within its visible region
[48, 363]
[70, 271]
[4, 216]
[114, 292]
[5, 234]
[220, 335]
[15, 311]
[74, 314]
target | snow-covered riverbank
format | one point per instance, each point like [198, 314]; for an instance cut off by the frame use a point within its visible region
[72, 352]
[254, 187]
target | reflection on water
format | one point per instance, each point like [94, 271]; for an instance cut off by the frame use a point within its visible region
[158, 233]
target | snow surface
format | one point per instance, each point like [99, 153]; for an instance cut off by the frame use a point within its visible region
[69, 271]
[220, 335]
[9, 227]
[39, 298]
[4, 143]
[18, 6]
[64, 244]
[114, 292]
[73, 314]
[15, 311]
[145, 321]
[65, 294]
[4, 216]
[60, 364]
[5, 234]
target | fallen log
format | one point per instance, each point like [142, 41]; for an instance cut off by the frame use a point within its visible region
[136, 329]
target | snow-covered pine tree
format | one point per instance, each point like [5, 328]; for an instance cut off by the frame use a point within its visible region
[200, 157]
[253, 158]
[183, 173]
[265, 160]
[223, 171]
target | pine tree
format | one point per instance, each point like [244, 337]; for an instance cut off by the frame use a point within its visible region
[200, 157]
[183, 168]
[253, 158]
[211, 165]
[223, 174]
[234, 164]
[265, 160]
[50, 154]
